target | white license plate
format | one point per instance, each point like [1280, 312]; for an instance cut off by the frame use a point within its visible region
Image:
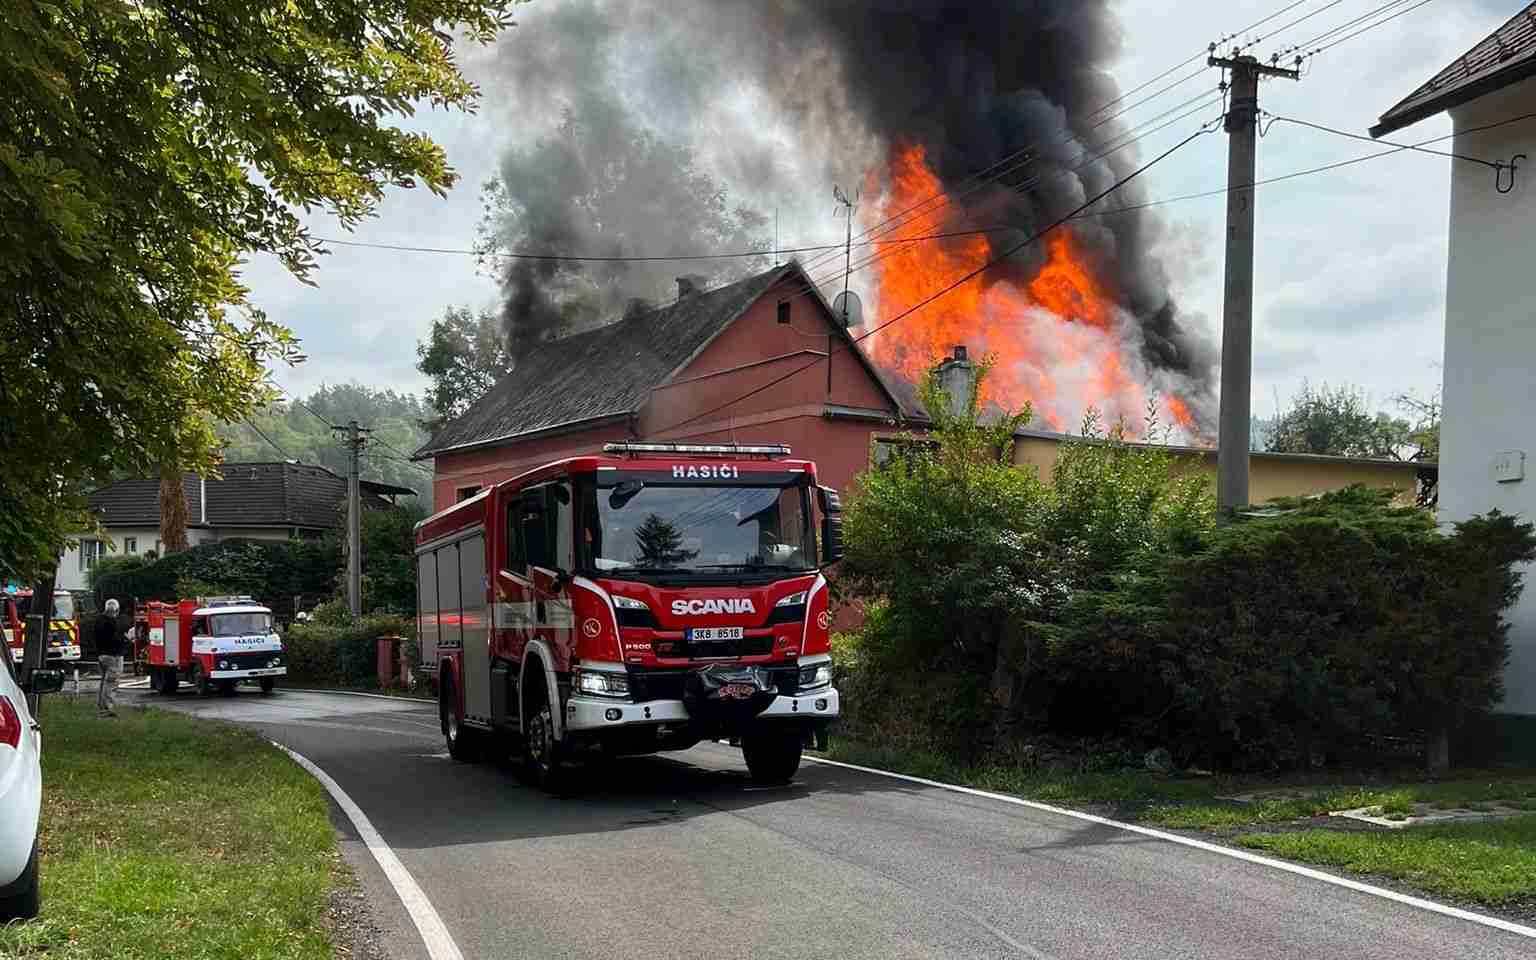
[716, 633]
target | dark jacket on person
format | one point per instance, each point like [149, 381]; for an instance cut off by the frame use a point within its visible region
[109, 637]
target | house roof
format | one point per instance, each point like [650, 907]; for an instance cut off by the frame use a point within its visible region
[1506, 56]
[609, 372]
[249, 495]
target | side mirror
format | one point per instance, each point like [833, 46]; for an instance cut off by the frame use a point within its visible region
[45, 681]
[831, 525]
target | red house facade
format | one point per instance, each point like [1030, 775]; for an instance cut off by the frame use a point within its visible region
[762, 360]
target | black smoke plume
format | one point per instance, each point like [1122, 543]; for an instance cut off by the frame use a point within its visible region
[712, 86]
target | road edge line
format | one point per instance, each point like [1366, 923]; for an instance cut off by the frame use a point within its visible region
[1497, 923]
[434, 933]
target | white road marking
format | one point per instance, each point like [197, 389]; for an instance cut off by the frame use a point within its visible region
[1357, 886]
[434, 933]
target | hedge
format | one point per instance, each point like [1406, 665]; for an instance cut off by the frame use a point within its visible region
[273, 571]
[343, 656]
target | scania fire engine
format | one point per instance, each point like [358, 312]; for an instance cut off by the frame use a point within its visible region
[63, 624]
[214, 643]
[639, 601]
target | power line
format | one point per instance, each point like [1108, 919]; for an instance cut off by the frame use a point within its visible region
[270, 442]
[1299, 20]
[1303, 173]
[1367, 28]
[1405, 146]
[1343, 26]
[1205, 128]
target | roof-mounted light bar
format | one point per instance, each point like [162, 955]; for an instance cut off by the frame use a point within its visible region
[700, 449]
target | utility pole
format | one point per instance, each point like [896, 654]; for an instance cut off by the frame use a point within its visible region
[355, 437]
[847, 206]
[1237, 313]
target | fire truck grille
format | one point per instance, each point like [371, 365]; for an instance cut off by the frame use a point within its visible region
[745, 647]
[668, 684]
[248, 661]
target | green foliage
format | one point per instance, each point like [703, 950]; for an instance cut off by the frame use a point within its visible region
[1338, 422]
[389, 559]
[464, 355]
[395, 418]
[113, 563]
[330, 655]
[948, 536]
[273, 571]
[145, 149]
[1294, 638]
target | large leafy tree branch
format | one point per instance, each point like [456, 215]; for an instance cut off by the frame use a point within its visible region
[145, 147]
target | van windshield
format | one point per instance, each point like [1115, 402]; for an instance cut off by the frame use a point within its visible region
[638, 525]
[239, 624]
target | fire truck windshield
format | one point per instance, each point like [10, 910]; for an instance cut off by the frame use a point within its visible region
[239, 624]
[63, 606]
[634, 525]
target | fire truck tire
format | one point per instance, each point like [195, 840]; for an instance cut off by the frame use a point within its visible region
[771, 757]
[267, 686]
[544, 763]
[226, 688]
[26, 898]
[464, 745]
[201, 681]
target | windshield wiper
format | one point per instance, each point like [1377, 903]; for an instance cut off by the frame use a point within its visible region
[747, 566]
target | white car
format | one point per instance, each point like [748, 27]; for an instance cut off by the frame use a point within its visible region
[21, 792]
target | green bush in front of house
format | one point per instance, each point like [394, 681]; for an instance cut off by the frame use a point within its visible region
[273, 571]
[1324, 632]
[1110, 606]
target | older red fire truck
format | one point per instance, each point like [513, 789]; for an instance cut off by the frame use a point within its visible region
[639, 601]
[213, 643]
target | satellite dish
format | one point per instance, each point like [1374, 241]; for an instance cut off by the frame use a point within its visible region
[847, 304]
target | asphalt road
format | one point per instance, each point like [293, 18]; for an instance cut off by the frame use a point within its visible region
[680, 856]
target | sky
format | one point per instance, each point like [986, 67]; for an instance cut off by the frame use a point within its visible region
[1349, 266]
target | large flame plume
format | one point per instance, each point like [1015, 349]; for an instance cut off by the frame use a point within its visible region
[1058, 338]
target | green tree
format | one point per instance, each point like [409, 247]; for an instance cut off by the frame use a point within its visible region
[389, 559]
[948, 538]
[658, 543]
[1336, 421]
[144, 149]
[301, 430]
[463, 356]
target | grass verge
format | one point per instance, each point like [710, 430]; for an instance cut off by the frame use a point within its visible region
[1490, 862]
[168, 837]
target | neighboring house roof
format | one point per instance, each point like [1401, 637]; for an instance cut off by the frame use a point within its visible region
[609, 372]
[1506, 56]
[248, 495]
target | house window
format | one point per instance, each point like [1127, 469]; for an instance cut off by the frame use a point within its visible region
[886, 449]
[784, 311]
[466, 492]
[90, 552]
[130, 544]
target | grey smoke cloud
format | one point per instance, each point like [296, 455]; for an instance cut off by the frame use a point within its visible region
[674, 128]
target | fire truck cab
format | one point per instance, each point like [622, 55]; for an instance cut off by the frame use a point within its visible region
[214, 643]
[639, 601]
[63, 625]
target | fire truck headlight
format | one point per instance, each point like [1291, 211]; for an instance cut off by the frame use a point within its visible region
[815, 675]
[602, 683]
[275, 662]
[793, 600]
[223, 664]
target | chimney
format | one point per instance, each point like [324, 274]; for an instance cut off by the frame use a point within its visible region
[957, 376]
[691, 284]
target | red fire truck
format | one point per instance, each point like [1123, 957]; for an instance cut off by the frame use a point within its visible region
[213, 643]
[63, 624]
[639, 601]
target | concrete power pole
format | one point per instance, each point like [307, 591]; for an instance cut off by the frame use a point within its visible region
[355, 437]
[1237, 314]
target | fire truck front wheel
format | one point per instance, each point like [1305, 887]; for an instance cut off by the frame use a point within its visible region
[772, 756]
[268, 684]
[544, 762]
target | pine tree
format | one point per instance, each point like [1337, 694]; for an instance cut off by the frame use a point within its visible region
[660, 543]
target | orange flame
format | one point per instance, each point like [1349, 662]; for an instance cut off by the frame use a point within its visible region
[1055, 339]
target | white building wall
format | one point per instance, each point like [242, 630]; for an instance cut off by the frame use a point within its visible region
[1490, 344]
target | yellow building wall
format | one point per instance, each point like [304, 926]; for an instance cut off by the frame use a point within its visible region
[1268, 476]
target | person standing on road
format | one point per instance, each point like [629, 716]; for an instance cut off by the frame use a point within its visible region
[109, 655]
